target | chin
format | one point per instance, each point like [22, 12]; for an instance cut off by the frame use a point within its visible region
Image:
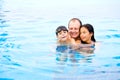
[74, 36]
[63, 40]
[83, 40]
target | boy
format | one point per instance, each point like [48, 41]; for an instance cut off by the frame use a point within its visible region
[63, 36]
[64, 42]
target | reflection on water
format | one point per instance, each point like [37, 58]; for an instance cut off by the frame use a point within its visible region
[26, 37]
[71, 63]
[67, 53]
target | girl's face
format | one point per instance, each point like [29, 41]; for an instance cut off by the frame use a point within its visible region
[85, 35]
[62, 35]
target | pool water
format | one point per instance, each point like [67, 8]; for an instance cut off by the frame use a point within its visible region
[27, 36]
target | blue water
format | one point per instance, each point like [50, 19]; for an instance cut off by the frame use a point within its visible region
[27, 34]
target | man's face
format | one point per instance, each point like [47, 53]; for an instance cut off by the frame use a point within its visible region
[74, 29]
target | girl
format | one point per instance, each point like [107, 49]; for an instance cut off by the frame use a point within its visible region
[87, 38]
[87, 34]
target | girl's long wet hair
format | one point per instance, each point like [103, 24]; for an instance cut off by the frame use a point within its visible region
[90, 28]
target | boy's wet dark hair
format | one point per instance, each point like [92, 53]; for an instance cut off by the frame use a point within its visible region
[61, 28]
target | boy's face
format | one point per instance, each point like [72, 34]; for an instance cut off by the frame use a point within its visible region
[62, 35]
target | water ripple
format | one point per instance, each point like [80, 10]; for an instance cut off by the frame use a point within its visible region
[4, 34]
[112, 36]
[7, 60]
[116, 36]
[118, 64]
[112, 30]
[6, 79]
[3, 39]
[116, 57]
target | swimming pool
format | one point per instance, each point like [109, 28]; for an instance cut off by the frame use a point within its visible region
[27, 32]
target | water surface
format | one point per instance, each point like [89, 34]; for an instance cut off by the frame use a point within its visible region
[27, 33]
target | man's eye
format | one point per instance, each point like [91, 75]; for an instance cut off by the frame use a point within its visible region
[71, 28]
[76, 28]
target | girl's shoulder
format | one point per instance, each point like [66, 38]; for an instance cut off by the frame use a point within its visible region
[97, 46]
[97, 43]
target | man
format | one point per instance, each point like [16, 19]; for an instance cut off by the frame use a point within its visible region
[74, 29]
